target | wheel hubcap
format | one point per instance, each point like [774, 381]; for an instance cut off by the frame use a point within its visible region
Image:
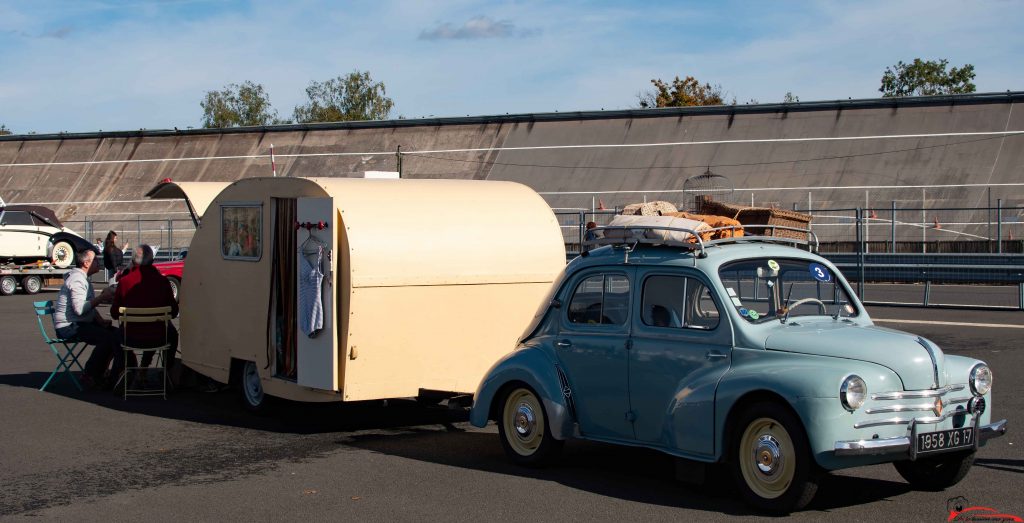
[768, 455]
[525, 421]
[767, 458]
[8, 285]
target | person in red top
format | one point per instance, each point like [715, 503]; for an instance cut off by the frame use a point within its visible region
[144, 286]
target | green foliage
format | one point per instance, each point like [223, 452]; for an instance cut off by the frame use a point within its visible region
[790, 98]
[922, 78]
[238, 105]
[4, 130]
[352, 97]
[682, 93]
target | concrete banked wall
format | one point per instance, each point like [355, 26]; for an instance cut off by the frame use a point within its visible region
[840, 173]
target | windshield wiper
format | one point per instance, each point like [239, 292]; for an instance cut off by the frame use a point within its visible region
[785, 306]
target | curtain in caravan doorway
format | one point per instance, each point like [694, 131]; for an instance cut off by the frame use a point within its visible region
[283, 288]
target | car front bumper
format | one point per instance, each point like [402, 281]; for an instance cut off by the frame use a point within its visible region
[902, 445]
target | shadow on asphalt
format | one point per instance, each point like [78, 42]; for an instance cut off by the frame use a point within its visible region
[1005, 465]
[628, 473]
[223, 408]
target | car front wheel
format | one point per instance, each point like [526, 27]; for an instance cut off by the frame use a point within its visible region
[175, 286]
[524, 431]
[771, 460]
[62, 255]
[937, 472]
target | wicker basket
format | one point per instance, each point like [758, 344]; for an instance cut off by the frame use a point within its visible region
[751, 217]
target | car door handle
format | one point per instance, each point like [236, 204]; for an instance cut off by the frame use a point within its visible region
[563, 343]
[714, 355]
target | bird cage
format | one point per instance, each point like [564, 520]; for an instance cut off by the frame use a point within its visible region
[707, 186]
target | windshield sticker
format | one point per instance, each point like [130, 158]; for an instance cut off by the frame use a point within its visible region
[743, 311]
[773, 265]
[732, 292]
[820, 272]
[752, 314]
[736, 301]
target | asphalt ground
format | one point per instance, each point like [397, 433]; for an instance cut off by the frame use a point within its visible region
[91, 456]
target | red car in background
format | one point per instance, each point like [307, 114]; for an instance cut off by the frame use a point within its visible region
[172, 271]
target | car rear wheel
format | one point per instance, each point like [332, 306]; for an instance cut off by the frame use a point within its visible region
[175, 285]
[31, 284]
[937, 472]
[62, 255]
[771, 460]
[8, 285]
[524, 429]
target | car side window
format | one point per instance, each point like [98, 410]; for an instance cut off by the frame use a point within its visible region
[678, 302]
[17, 218]
[600, 300]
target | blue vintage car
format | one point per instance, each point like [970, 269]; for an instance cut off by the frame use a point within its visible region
[746, 352]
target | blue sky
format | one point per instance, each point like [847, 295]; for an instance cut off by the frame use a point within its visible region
[90, 65]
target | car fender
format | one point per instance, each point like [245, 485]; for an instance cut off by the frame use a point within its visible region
[801, 381]
[533, 367]
[75, 240]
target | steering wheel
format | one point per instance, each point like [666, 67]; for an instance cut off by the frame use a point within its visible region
[797, 303]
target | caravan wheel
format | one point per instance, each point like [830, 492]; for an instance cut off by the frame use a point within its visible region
[251, 387]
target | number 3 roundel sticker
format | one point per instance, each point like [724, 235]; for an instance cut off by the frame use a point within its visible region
[820, 272]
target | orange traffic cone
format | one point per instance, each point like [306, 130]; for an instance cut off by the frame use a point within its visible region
[935, 221]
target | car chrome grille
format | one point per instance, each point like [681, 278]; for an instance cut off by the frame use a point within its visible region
[914, 401]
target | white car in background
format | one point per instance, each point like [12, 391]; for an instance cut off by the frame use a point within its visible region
[29, 233]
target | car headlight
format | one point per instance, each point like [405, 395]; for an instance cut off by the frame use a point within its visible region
[853, 392]
[981, 379]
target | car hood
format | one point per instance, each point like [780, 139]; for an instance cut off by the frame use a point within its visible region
[918, 362]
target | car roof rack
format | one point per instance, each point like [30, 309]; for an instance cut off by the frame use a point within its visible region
[631, 235]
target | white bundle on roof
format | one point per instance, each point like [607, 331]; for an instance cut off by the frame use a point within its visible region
[656, 221]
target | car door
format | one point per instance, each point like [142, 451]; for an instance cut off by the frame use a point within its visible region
[591, 347]
[19, 237]
[681, 347]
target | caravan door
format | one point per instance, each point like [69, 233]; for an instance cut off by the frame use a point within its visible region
[315, 252]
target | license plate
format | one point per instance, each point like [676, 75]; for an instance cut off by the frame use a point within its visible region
[945, 440]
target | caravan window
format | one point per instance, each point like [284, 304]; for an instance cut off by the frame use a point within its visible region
[241, 231]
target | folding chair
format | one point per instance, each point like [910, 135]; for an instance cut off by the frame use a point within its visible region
[67, 351]
[133, 315]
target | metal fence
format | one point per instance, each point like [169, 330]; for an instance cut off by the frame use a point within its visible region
[963, 257]
[168, 236]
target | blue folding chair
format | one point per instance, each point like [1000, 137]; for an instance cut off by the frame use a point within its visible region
[67, 351]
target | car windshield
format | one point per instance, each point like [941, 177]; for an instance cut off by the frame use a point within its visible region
[764, 289]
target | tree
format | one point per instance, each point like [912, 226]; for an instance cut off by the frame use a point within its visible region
[790, 98]
[681, 93]
[238, 105]
[4, 130]
[352, 97]
[926, 78]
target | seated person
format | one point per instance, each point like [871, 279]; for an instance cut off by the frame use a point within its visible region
[144, 287]
[75, 317]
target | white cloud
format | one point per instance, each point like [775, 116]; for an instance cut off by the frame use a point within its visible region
[475, 28]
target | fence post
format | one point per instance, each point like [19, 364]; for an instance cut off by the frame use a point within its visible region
[170, 236]
[892, 221]
[999, 225]
[860, 253]
[138, 229]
